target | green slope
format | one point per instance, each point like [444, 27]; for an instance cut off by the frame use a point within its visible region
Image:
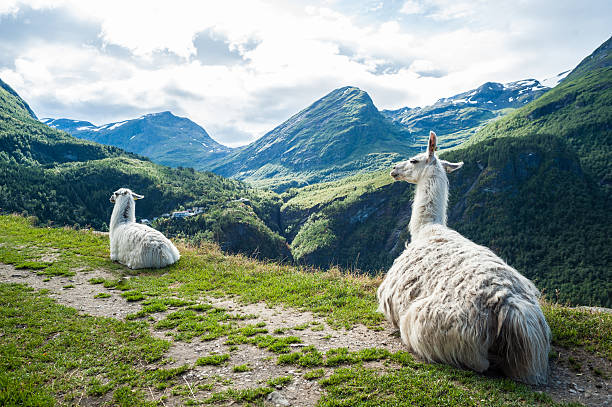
[63, 180]
[579, 110]
[53, 354]
[340, 134]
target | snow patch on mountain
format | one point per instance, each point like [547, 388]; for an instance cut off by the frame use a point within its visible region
[554, 80]
[114, 126]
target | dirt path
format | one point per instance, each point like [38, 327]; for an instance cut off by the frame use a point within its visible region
[584, 386]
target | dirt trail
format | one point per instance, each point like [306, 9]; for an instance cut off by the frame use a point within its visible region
[565, 384]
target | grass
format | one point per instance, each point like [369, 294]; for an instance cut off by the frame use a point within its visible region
[49, 352]
[214, 360]
[242, 368]
[309, 356]
[280, 381]
[325, 192]
[344, 300]
[71, 249]
[412, 386]
[314, 374]
[241, 396]
[580, 328]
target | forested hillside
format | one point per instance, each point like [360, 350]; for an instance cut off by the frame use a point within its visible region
[62, 180]
[534, 188]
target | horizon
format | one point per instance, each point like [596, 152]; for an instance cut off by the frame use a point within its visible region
[239, 77]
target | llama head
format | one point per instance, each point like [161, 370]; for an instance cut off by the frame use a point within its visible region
[123, 193]
[423, 165]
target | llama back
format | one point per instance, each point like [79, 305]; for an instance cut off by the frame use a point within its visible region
[145, 247]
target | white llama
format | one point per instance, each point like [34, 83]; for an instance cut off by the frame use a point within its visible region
[133, 244]
[454, 301]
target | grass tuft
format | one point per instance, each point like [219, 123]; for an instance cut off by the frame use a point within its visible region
[214, 360]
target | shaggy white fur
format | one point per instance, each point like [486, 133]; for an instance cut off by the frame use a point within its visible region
[133, 244]
[454, 301]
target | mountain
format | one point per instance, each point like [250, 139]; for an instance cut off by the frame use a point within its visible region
[63, 180]
[68, 125]
[163, 137]
[13, 103]
[340, 134]
[458, 117]
[579, 110]
[535, 188]
[343, 134]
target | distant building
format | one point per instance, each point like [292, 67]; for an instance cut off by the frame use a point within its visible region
[182, 214]
[196, 210]
[165, 215]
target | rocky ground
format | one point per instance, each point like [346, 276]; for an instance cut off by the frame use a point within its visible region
[575, 375]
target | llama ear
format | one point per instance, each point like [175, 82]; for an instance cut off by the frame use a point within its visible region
[136, 196]
[431, 148]
[450, 167]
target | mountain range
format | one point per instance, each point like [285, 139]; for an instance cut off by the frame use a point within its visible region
[458, 117]
[339, 135]
[163, 137]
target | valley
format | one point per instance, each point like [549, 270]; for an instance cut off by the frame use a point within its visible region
[533, 155]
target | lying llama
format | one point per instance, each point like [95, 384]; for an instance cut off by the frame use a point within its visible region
[454, 301]
[133, 244]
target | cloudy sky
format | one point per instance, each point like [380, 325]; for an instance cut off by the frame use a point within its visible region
[239, 68]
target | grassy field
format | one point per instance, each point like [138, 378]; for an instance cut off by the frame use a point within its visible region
[51, 355]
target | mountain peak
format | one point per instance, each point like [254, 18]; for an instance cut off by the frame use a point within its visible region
[347, 91]
[600, 58]
[336, 131]
[162, 136]
[164, 114]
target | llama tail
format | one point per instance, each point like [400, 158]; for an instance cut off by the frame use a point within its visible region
[523, 342]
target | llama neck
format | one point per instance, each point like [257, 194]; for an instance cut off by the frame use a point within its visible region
[430, 201]
[123, 212]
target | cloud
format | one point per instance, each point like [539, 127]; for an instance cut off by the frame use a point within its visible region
[412, 7]
[425, 67]
[241, 68]
[213, 49]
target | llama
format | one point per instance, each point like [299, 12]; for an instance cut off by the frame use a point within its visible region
[133, 244]
[454, 301]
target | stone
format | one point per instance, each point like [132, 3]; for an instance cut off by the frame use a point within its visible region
[278, 399]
